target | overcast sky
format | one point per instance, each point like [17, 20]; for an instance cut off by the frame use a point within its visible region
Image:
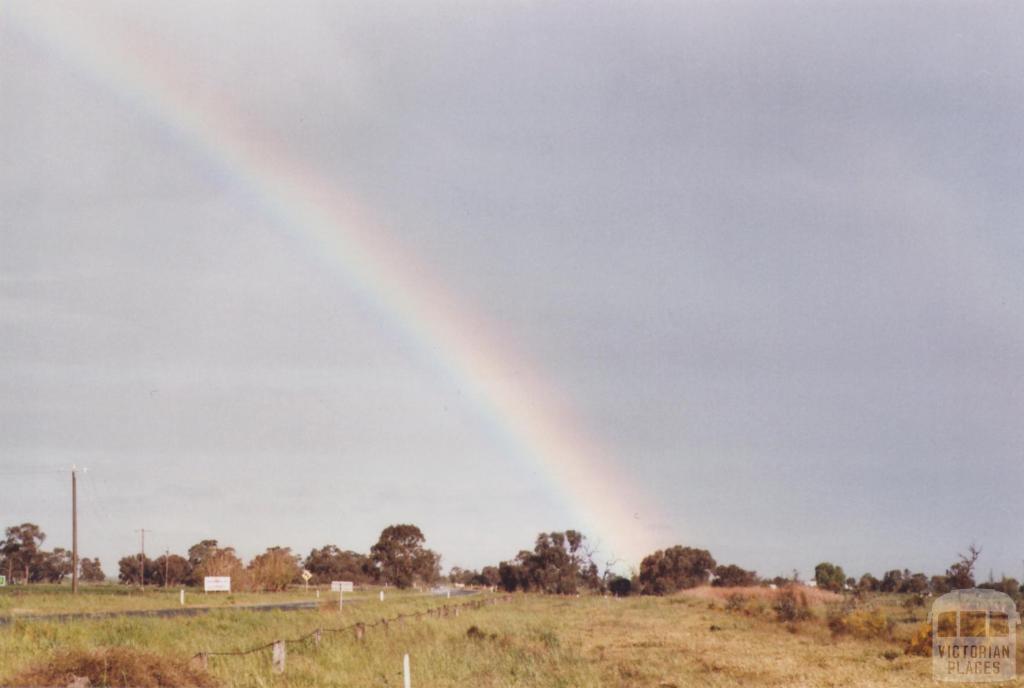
[769, 253]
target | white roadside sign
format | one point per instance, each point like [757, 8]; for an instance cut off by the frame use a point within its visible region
[217, 584]
[341, 586]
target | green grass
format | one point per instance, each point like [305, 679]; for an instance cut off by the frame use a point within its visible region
[516, 649]
[57, 599]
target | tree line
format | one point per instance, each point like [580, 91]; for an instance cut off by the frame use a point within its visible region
[399, 558]
[960, 575]
[23, 558]
[561, 562]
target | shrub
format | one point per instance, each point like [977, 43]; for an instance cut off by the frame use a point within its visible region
[791, 607]
[735, 602]
[913, 601]
[116, 667]
[861, 623]
[474, 633]
[837, 616]
[920, 643]
[620, 587]
[869, 624]
[757, 607]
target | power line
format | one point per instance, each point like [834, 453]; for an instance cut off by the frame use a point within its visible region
[98, 511]
[31, 471]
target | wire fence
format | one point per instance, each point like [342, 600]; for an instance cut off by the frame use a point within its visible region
[358, 631]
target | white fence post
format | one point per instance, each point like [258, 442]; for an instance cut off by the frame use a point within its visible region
[406, 679]
[279, 656]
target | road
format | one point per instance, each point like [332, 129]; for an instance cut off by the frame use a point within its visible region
[196, 611]
[163, 613]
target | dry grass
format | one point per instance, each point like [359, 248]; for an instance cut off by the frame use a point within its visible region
[120, 667]
[535, 642]
[685, 641]
[759, 592]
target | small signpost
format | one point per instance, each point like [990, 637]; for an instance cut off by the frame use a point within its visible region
[217, 584]
[306, 575]
[341, 587]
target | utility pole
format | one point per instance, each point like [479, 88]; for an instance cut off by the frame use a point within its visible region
[74, 532]
[142, 558]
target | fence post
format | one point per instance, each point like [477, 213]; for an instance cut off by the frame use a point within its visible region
[384, 623]
[406, 679]
[316, 638]
[279, 656]
[456, 611]
[360, 631]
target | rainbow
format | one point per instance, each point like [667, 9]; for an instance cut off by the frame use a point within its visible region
[506, 390]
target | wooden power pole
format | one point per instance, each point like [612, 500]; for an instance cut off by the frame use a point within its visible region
[142, 559]
[74, 533]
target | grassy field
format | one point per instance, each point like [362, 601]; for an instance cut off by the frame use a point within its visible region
[57, 599]
[702, 638]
